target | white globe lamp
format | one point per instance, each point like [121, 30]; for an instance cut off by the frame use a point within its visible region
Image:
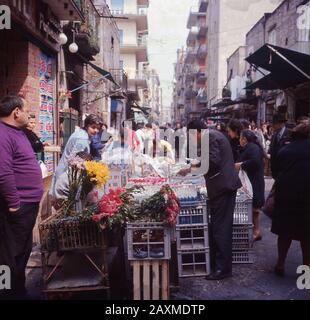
[73, 48]
[62, 39]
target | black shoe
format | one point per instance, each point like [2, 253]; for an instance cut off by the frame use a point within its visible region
[218, 275]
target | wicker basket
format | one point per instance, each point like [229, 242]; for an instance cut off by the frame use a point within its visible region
[62, 235]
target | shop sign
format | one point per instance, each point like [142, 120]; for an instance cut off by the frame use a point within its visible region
[5, 17]
[50, 25]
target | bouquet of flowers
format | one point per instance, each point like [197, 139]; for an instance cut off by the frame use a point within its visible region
[163, 206]
[83, 177]
[117, 207]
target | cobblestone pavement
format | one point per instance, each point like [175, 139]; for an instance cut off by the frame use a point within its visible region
[249, 282]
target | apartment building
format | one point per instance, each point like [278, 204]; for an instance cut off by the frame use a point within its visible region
[190, 83]
[132, 22]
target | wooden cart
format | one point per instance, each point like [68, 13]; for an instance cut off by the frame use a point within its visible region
[74, 258]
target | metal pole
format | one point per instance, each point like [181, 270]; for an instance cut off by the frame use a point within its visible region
[89, 82]
[289, 62]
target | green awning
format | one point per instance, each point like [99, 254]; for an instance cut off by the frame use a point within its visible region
[105, 73]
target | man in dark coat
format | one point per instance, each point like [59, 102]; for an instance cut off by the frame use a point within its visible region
[280, 138]
[222, 182]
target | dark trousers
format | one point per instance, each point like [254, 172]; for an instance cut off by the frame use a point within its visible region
[221, 210]
[16, 244]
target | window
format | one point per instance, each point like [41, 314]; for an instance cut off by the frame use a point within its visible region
[121, 64]
[272, 36]
[117, 6]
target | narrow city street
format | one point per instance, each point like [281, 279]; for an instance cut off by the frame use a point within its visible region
[250, 282]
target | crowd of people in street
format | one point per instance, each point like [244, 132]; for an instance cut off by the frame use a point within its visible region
[237, 145]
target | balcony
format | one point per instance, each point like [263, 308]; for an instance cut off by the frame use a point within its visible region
[193, 17]
[139, 48]
[192, 36]
[71, 10]
[137, 78]
[120, 78]
[202, 28]
[202, 51]
[137, 14]
[190, 94]
[201, 77]
[190, 55]
[203, 5]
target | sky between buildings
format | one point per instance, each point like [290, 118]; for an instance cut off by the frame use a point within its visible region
[168, 32]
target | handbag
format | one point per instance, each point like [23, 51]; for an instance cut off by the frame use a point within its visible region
[268, 208]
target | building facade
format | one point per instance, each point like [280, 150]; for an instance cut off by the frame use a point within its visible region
[288, 26]
[228, 22]
[132, 22]
[29, 53]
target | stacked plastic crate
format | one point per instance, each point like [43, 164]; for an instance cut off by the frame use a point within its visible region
[243, 230]
[192, 234]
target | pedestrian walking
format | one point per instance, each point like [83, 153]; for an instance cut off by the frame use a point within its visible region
[291, 217]
[280, 138]
[251, 160]
[234, 130]
[222, 183]
[21, 189]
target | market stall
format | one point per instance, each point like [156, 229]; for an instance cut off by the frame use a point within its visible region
[160, 218]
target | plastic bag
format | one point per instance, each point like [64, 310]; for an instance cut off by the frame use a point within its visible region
[44, 169]
[246, 183]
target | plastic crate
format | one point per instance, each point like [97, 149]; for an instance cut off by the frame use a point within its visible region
[243, 213]
[148, 241]
[242, 237]
[193, 216]
[192, 238]
[193, 263]
[243, 257]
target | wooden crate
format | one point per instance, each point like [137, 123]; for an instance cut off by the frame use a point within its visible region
[150, 280]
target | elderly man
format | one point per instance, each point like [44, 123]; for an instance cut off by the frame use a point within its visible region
[222, 182]
[21, 189]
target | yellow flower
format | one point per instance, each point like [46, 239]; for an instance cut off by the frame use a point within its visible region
[97, 172]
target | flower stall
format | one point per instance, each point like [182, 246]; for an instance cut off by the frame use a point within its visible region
[85, 218]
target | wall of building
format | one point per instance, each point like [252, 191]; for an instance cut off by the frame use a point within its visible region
[130, 64]
[129, 28]
[228, 23]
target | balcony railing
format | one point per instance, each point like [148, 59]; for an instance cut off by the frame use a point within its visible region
[141, 42]
[203, 5]
[140, 10]
[120, 78]
[202, 51]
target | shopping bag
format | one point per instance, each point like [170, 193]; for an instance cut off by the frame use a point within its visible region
[246, 183]
[268, 208]
[44, 169]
